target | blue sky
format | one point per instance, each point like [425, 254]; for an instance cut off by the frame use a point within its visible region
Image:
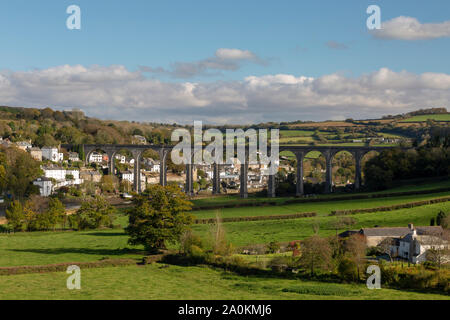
[287, 37]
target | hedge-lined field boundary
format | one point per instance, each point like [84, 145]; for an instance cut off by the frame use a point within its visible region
[390, 208]
[258, 218]
[62, 267]
[328, 199]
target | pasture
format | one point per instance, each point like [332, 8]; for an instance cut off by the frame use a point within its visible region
[159, 281]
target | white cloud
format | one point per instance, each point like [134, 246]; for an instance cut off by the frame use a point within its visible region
[234, 54]
[116, 93]
[224, 59]
[408, 28]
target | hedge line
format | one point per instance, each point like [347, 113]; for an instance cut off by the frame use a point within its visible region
[328, 199]
[62, 267]
[390, 208]
[259, 218]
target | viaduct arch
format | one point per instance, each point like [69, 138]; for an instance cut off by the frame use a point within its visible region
[299, 151]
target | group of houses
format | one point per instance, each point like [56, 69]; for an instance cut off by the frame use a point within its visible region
[405, 243]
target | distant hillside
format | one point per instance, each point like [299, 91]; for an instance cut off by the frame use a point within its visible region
[50, 127]
[47, 127]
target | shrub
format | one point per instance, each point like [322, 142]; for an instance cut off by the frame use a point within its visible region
[93, 214]
[347, 270]
[273, 247]
[189, 240]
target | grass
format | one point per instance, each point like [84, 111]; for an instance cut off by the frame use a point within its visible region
[186, 283]
[322, 208]
[296, 133]
[423, 118]
[233, 199]
[41, 248]
[254, 232]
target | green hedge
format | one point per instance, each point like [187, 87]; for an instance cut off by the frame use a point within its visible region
[259, 218]
[390, 208]
[62, 267]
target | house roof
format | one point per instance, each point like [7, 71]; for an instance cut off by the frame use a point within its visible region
[398, 231]
[348, 233]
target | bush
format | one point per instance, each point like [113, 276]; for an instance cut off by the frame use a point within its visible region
[93, 214]
[273, 247]
[189, 240]
[280, 264]
[347, 270]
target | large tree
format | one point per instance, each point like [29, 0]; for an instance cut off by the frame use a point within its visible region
[159, 215]
[17, 172]
[316, 254]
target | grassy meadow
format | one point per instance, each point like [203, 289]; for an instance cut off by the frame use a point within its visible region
[423, 118]
[159, 281]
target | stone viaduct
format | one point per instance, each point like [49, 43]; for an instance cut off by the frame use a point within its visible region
[299, 151]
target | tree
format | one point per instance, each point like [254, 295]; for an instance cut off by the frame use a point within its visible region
[439, 244]
[440, 218]
[15, 216]
[56, 212]
[316, 253]
[355, 247]
[93, 214]
[21, 170]
[159, 215]
[386, 246]
[108, 183]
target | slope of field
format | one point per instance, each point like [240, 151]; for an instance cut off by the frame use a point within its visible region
[40, 248]
[423, 118]
[252, 232]
[410, 186]
[322, 208]
[186, 283]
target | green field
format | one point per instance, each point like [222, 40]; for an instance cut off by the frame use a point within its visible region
[186, 283]
[322, 208]
[158, 281]
[296, 133]
[263, 232]
[40, 248]
[422, 118]
[233, 199]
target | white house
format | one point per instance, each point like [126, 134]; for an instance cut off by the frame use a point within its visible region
[153, 166]
[121, 158]
[63, 177]
[24, 145]
[52, 154]
[59, 174]
[128, 176]
[74, 157]
[45, 186]
[96, 157]
[414, 246]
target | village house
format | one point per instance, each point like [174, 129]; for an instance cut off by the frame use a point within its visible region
[63, 177]
[36, 154]
[91, 176]
[52, 154]
[24, 145]
[120, 158]
[127, 176]
[45, 186]
[137, 139]
[96, 157]
[73, 157]
[152, 165]
[410, 243]
[414, 246]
